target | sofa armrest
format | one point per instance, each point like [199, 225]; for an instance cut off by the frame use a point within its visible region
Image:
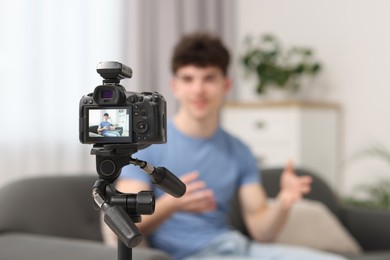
[369, 227]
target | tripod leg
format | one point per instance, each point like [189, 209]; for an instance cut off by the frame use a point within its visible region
[124, 253]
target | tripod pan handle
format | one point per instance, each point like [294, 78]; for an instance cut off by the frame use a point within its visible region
[122, 225]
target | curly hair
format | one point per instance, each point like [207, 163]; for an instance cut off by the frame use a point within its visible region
[200, 49]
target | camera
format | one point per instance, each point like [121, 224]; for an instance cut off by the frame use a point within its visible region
[112, 115]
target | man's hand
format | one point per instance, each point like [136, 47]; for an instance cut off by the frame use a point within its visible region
[197, 198]
[293, 187]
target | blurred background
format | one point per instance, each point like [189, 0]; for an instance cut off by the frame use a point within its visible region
[49, 51]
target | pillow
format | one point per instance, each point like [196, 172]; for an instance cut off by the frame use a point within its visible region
[311, 224]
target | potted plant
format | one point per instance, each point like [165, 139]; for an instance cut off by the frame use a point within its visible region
[276, 67]
[377, 194]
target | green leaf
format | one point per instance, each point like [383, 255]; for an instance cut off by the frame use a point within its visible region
[260, 88]
[299, 68]
[282, 77]
[315, 68]
[268, 38]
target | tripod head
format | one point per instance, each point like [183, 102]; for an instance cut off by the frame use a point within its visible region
[122, 210]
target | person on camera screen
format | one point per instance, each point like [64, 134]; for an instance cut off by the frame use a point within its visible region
[106, 128]
[215, 166]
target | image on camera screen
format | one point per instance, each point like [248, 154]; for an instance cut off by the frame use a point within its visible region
[110, 122]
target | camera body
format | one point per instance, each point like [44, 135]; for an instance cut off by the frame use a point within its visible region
[112, 115]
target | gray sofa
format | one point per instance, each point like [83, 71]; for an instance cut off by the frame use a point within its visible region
[54, 218]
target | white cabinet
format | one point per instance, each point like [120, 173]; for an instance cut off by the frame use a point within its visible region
[306, 132]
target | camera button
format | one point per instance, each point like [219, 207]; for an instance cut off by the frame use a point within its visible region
[132, 99]
[142, 126]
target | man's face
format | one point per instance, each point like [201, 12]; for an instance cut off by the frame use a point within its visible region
[105, 118]
[200, 91]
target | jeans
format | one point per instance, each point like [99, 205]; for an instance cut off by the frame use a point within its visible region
[234, 245]
[111, 134]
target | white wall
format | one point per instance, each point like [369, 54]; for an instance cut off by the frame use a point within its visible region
[352, 39]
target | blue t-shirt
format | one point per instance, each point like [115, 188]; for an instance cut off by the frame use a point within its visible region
[105, 124]
[223, 162]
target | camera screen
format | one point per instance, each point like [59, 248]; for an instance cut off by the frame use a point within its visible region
[108, 123]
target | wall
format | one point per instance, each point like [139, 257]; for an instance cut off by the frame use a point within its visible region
[352, 40]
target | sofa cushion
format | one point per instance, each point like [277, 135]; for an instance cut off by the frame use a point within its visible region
[56, 206]
[311, 224]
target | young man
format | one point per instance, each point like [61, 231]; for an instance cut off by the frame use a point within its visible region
[214, 165]
[106, 128]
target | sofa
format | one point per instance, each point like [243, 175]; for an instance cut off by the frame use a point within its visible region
[53, 217]
[93, 130]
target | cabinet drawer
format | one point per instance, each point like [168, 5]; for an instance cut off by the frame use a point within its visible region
[272, 151]
[260, 126]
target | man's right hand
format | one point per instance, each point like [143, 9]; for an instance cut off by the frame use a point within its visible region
[197, 197]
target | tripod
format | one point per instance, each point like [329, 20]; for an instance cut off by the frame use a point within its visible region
[122, 210]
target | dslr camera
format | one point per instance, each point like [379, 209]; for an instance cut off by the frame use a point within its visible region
[112, 115]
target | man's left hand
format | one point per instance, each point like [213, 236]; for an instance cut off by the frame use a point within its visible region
[292, 186]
